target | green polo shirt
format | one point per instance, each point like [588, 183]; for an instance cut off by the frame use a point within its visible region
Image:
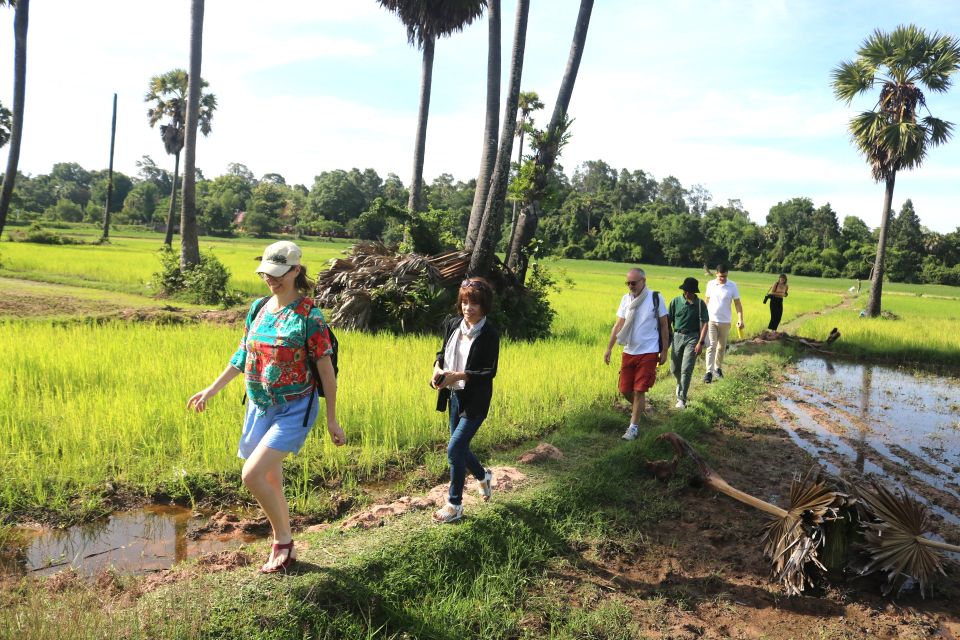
[683, 315]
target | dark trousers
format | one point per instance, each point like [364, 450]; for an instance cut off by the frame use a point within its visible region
[462, 430]
[776, 312]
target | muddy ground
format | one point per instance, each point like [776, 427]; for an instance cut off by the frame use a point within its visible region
[703, 575]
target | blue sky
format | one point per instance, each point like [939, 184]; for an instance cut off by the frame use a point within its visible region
[733, 95]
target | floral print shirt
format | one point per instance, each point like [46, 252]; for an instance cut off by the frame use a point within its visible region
[274, 350]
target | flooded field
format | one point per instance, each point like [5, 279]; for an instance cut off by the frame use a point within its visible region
[895, 426]
[135, 542]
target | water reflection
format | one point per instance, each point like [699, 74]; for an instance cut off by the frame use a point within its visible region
[896, 425]
[138, 541]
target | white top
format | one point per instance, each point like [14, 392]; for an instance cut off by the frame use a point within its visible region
[645, 333]
[459, 363]
[719, 298]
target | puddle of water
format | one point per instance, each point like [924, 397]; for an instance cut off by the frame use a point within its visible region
[871, 419]
[137, 542]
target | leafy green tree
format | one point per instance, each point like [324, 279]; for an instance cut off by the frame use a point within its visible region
[148, 170]
[335, 196]
[266, 207]
[679, 236]
[789, 225]
[65, 210]
[425, 21]
[893, 135]
[220, 200]
[273, 178]
[635, 189]
[825, 227]
[168, 93]
[529, 102]
[140, 205]
[122, 185]
[20, 22]
[907, 246]
[5, 125]
[672, 193]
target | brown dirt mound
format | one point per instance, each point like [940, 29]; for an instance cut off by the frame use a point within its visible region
[541, 452]
[223, 523]
[504, 479]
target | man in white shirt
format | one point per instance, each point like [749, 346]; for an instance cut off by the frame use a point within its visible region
[720, 293]
[641, 328]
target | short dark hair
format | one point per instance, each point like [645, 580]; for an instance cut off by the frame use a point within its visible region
[477, 291]
[722, 268]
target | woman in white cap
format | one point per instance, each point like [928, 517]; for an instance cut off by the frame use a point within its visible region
[283, 333]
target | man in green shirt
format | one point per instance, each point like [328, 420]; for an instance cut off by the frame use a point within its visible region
[689, 320]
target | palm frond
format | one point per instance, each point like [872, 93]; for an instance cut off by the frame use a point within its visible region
[894, 531]
[851, 79]
[937, 131]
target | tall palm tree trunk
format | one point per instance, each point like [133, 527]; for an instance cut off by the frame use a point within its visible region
[189, 242]
[530, 213]
[491, 125]
[20, 21]
[492, 224]
[419, 148]
[513, 214]
[106, 208]
[876, 280]
[168, 240]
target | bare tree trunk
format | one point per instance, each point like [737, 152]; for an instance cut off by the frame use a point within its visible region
[20, 21]
[189, 242]
[491, 125]
[106, 208]
[492, 224]
[876, 278]
[419, 148]
[168, 240]
[513, 215]
[548, 155]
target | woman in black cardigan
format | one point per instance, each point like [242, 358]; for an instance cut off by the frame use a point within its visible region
[463, 374]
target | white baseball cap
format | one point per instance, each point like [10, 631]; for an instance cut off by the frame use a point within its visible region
[279, 258]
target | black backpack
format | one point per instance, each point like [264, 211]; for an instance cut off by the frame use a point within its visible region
[334, 343]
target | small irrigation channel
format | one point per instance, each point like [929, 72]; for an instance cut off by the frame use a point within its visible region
[898, 427]
[139, 541]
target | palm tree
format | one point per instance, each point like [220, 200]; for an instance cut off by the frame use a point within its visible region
[893, 136]
[491, 125]
[491, 225]
[529, 102]
[427, 20]
[526, 225]
[168, 92]
[20, 19]
[189, 242]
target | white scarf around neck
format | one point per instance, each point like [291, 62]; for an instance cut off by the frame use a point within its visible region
[450, 350]
[624, 336]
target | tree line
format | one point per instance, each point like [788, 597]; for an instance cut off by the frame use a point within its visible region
[598, 213]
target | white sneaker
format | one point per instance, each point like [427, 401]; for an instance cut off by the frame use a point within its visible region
[680, 404]
[631, 433]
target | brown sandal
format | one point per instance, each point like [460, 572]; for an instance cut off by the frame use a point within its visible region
[283, 566]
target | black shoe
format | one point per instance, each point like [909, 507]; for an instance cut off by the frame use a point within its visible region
[707, 378]
[719, 373]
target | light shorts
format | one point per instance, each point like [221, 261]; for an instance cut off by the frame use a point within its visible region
[280, 427]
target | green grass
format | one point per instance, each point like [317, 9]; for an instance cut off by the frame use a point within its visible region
[922, 329]
[489, 576]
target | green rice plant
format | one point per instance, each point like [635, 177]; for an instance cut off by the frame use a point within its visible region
[916, 329]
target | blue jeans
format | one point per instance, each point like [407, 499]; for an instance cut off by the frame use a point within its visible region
[462, 430]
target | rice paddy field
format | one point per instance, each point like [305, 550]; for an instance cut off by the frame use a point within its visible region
[84, 404]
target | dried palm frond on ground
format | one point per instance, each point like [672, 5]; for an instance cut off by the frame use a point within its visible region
[895, 526]
[767, 335]
[792, 536]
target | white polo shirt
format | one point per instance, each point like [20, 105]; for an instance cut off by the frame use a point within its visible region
[645, 331]
[719, 298]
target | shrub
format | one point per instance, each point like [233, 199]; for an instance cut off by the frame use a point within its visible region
[206, 283]
[524, 313]
[37, 234]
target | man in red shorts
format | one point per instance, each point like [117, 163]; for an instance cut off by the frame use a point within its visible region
[641, 328]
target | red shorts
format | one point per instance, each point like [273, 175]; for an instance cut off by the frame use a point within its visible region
[638, 373]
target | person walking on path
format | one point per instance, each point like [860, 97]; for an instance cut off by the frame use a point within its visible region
[641, 327]
[283, 334]
[721, 292]
[463, 373]
[690, 320]
[776, 295]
